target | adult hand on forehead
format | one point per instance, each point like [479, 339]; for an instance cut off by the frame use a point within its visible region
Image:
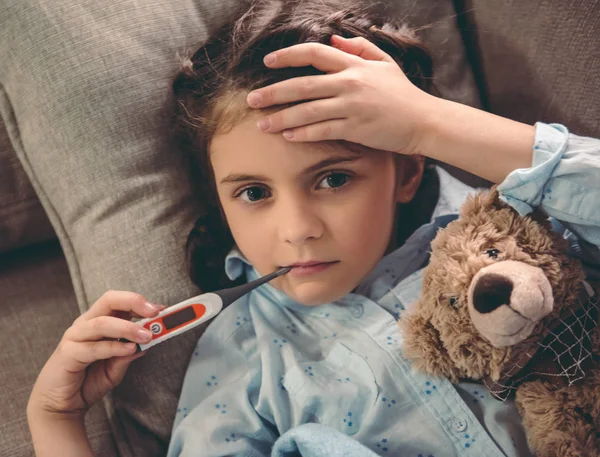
[364, 97]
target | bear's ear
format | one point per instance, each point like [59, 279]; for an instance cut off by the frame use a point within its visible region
[423, 346]
[480, 202]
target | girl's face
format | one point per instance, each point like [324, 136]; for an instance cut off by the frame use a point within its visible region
[326, 210]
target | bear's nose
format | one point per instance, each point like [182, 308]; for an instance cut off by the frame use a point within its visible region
[491, 291]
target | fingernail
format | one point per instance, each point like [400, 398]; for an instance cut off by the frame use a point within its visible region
[269, 59]
[150, 307]
[130, 345]
[144, 334]
[288, 134]
[254, 99]
[264, 124]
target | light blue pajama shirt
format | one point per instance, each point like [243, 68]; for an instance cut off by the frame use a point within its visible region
[268, 364]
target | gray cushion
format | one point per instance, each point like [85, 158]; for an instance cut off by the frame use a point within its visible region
[85, 95]
[22, 217]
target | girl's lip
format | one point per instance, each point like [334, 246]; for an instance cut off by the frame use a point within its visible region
[309, 268]
[307, 264]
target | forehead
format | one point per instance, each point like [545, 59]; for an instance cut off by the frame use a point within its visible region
[245, 147]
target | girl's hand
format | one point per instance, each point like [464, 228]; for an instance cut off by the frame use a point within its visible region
[88, 361]
[365, 97]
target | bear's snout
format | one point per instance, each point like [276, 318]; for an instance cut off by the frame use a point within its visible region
[491, 291]
[507, 299]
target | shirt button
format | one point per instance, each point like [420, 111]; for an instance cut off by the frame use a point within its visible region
[357, 310]
[459, 424]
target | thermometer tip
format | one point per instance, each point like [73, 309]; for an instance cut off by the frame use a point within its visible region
[283, 271]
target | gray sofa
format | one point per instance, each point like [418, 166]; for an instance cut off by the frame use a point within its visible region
[93, 195]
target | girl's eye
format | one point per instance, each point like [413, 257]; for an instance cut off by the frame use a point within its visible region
[252, 194]
[492, 253]
[333, 180]
[453, 302]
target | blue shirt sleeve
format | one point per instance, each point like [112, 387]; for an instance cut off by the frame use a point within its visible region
[216, 415]
[564, 181]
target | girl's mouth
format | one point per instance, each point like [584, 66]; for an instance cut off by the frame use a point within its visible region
[309, 268]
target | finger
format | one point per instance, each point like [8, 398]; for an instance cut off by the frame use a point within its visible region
[294, 90]
[108, 327]
[128, 315]
[328, 130]
[120, 300]
[76, 356]
[303, 114]
[360, 47]
[321, 56]
[125, 315]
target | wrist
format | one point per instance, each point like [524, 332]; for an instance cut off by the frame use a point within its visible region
[56, 433]
[479, 142]
[431, 127]
[39, 412]
[437, 127]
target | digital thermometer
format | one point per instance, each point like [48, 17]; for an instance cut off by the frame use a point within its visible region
[190, 313]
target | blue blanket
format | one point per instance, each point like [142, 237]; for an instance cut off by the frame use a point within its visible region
[316, 440]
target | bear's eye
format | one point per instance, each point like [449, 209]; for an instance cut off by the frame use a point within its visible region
[453, 302]
[492, 253]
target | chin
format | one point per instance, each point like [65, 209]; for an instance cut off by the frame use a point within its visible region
[315, 294]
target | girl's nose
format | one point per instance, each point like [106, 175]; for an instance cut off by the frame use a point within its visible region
[299, 221]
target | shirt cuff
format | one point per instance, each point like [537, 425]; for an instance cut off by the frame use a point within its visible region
[523, 189]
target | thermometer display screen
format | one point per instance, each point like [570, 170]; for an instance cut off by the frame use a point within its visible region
[179, 317]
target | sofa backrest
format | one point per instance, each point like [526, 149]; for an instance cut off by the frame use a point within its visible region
[537, 60]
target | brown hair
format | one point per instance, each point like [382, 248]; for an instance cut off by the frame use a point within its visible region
[211, 86]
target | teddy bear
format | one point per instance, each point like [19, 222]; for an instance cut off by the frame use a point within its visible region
[503, 304]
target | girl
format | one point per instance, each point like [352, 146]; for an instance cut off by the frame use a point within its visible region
[345, 197]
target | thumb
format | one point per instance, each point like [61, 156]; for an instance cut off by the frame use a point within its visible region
[105, 375]
[360, 47]
[117, 366]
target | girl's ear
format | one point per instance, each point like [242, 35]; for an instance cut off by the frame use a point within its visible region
[409, 172]
[423, 346]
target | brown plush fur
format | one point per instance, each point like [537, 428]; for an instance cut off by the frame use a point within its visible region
[441, 339]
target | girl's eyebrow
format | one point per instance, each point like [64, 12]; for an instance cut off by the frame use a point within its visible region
[331, 161]
[236, 178]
